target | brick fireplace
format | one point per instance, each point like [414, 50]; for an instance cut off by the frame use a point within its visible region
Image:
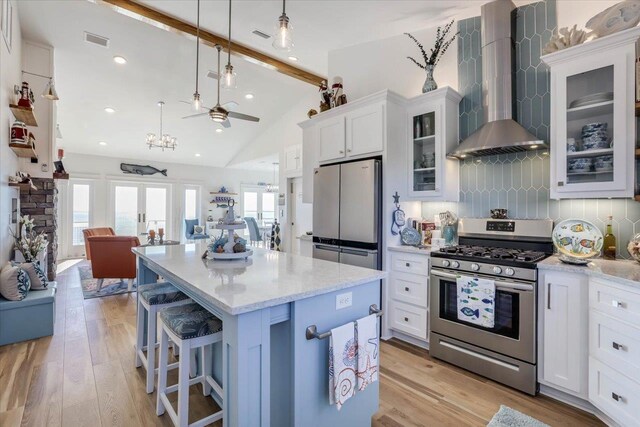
[41, 206]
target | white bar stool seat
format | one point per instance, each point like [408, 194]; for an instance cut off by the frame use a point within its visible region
[188, 326]
[152, 298]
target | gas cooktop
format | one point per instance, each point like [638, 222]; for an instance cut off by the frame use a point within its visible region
[492, 254]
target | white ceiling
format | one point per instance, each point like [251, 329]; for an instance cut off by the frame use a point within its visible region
[161, 67]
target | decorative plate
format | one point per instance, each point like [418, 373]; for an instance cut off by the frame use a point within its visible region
[410, 236]
[576, 238]
[592, 99]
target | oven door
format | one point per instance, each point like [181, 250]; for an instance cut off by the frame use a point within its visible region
[514, 333]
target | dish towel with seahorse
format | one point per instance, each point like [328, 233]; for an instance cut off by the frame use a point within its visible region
[367, 340]
[476, 300]
[343, 364]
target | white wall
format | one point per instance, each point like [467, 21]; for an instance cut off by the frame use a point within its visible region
[103, 170]
[10, 65]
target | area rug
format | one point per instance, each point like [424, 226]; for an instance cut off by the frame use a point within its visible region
[109, 286]
[507, 417]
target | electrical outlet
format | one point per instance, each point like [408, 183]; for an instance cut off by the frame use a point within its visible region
[344, 300]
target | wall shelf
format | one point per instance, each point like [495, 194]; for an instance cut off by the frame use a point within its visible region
[590, 153]
[24, 114]
[222, 194]
[23, 150]
[19, 185]
[592, 110]
[57, 175]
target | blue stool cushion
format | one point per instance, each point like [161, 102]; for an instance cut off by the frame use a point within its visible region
[190, 321]
[161, 293]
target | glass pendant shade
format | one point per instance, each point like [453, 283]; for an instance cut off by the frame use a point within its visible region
[283, 37]
[196, 104]
[229, 80]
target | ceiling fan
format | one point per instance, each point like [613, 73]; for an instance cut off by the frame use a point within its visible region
[220, 113]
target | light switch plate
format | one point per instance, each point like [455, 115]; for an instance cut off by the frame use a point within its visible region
[344, 300]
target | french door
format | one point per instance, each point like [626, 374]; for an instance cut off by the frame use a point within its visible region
[259, 204]
[80, 206]
[140, 207]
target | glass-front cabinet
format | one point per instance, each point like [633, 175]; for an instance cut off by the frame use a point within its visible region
[593, 118]
[433, 132]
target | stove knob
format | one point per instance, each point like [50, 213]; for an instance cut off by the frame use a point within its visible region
[509, 271]
[497, 270]
[475, 267]
[445, 263]
[455, 264]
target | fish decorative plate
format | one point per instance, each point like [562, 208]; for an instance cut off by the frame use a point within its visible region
[410, 236]
[577, 240]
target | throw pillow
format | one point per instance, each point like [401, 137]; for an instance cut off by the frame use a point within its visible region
[14, 283]
[198, 230]
[37, 278]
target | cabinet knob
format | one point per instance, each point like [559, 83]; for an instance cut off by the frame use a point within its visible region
[617, 397]
[406, 288]
[341, 151]
[617, 346]
[406, 319]
[407, 264]
[617, 304]
[560, 183]
[349, 150]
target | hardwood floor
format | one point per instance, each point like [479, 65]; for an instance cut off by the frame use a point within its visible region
[84, 375]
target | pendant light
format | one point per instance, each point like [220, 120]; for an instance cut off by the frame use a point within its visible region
[196, 104]
[50, 91]
[273, 187]
[229, 77]
[283, 38]
[163, 141]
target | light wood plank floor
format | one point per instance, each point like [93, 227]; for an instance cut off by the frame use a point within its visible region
[84, 375]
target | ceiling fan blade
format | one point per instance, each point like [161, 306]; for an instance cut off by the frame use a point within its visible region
[236, 115]
[229, 105]
[196, 115]
[226, 124]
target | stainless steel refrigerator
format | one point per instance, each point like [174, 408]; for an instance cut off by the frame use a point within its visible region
[346, 213]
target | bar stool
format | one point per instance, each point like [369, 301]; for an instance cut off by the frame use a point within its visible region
[188, 326]
[152, 298]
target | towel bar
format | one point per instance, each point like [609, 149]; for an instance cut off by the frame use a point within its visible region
[312, 331]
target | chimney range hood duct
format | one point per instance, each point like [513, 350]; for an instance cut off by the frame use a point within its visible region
[500, 134]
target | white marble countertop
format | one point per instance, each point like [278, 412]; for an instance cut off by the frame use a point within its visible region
[413, 250]
[622, 271]
[266, 279]
[305, 237]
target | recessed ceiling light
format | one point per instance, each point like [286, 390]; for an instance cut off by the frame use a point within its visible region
[293, 58]
[102, 143]
[218, 130]
[110, 110]
[249, 96]
[120, 60]
[197, 154]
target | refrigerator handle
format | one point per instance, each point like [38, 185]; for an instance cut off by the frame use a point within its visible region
[328, 248]
[355, 252]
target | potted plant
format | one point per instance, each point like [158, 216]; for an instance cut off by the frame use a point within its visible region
[435, 54]
[27, 241]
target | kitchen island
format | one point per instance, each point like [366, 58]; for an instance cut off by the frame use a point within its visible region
[272, 374]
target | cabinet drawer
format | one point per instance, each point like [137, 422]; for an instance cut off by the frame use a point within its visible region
[617, 301]
[615, 343]
[409, 319]
[613, 393]
[410, 263]
[410, 288]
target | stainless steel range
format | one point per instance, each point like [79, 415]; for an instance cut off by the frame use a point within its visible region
[505, 251]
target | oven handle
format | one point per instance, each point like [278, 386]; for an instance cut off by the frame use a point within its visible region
[499, 284]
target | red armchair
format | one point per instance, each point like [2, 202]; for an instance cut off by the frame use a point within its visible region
[111, 255]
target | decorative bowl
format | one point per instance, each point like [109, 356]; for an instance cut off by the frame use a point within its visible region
[410, 236]
[634, 247]
[580, 165]
[603, 163]
[577, 238]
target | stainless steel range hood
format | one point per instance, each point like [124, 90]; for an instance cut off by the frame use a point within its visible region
[500, 134]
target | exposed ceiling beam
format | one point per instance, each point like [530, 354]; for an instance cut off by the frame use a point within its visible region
[166, 22]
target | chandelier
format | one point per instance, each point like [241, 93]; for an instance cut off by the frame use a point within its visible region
[161, 140]
[273, 186]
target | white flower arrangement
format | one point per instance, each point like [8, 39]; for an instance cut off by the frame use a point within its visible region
[28, 241]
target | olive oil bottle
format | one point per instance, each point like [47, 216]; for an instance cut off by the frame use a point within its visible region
[609, 244]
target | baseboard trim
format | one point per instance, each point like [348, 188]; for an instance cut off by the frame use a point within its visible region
[576, 402]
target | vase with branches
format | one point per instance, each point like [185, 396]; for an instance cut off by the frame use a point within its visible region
[431, 59]
[28, 241]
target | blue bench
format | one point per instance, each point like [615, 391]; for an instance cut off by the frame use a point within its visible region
[31, 318]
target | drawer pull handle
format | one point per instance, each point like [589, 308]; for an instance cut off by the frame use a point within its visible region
[617, 304]
[407, 264]
[617, 346]
[406, 319]
[617, 397]
[406, 288]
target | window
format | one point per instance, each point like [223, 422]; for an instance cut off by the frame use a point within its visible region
[190, 203]
[81, 195]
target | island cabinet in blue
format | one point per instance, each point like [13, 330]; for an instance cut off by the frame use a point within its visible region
[271, 374]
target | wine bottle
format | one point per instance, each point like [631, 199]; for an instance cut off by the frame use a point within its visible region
[609, 246]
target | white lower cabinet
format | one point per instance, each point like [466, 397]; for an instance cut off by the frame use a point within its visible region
[564, 297]
[614, 394]
[408, 292]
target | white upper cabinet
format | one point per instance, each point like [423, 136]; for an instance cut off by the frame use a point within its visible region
[564, 304]
[365, 130]
[293, 161]
[593, 128]
[432, 121]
